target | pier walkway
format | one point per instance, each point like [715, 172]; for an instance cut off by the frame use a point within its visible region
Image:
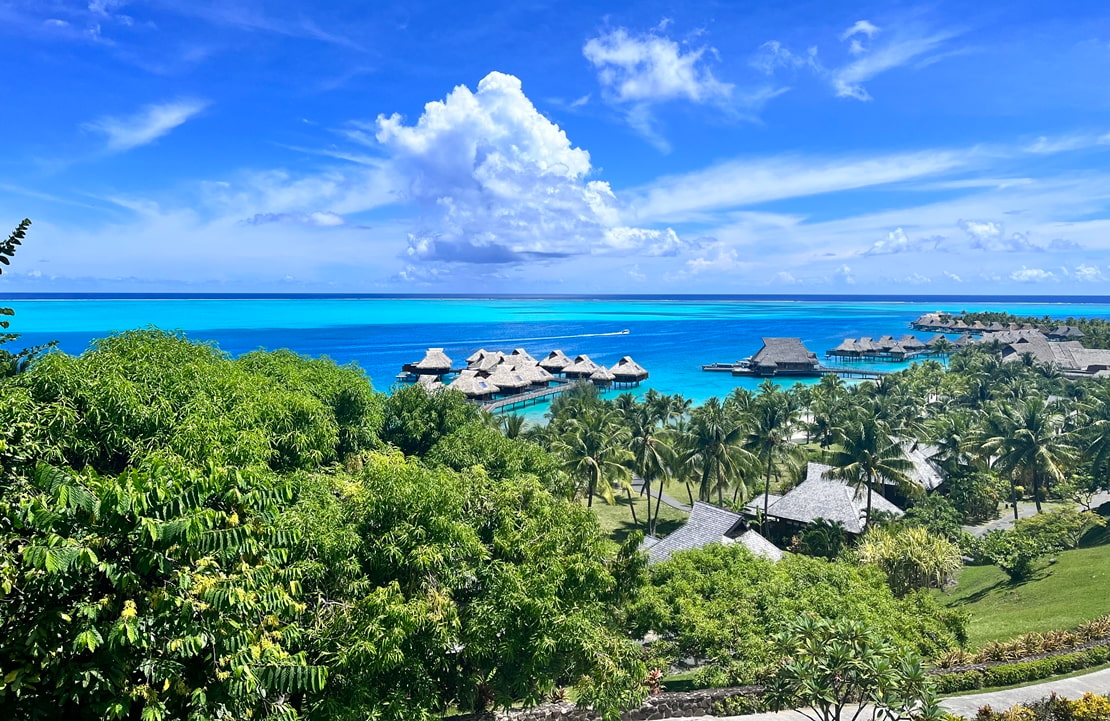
[843, 371]
[531, 398]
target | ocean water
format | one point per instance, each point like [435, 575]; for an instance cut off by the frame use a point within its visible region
[671, 337]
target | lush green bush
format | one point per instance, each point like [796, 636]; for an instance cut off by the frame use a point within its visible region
[438, 589]
[1010, 674]
[720, 605]
[976, 495]
[911, 557]
[1014, 552]
[144, 394]
[416, 419]
[1060, 529]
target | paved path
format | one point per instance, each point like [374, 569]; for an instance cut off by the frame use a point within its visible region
[1097, 682]
[657, 492]
[1025, 510]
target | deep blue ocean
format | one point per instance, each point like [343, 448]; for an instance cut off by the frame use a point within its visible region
[671, 337]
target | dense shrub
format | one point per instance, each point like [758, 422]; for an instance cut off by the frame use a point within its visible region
[720, 604]
[1091, 707]
[416, 419]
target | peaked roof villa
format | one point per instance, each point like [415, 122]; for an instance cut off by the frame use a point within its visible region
[1069, 356]
[709, 524]
[783, 355]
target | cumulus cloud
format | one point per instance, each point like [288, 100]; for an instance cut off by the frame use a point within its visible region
[898, 242]
[638, 71]
[990, 236]
[844, 275]
[1032, 275]
[499, 183]
[1088, 273]
[953, 277]
[718, 258]
[147, 125]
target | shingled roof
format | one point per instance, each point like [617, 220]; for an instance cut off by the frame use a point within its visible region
[820, 496]
[708, 524]
[1066, 355]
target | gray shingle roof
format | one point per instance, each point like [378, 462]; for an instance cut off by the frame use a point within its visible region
[820, 496]
[757, 544]
[706, 524]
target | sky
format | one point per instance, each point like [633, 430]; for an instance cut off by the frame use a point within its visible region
[572, 147]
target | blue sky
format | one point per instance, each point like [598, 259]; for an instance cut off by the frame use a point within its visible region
[649, 147]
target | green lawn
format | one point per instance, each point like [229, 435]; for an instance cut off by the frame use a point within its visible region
[1065, 594]
[617, 519]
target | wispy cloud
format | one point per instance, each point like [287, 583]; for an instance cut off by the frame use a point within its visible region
[147, 125]
[902, 47]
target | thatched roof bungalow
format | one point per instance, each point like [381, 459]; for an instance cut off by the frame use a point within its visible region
[508, 380]
[1065, 332]
[582, 367]
[435, 362]
[519, 354]
[535, 374]
[709, 524]
[473, 385]
[822, 496]
[476, 356]
[848, 348]
[627, 370]
[911, 344]
[602, 376]
[783, 355]
[555, 362]
[489, 362]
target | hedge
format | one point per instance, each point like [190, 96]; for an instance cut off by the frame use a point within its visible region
[1010, 674]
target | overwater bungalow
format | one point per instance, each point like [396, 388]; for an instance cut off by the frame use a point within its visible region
[709, 524]
[430, 383]
[782, 356]
[628, 372]
[435, 362]
[519, 354]
[911, 344]
[508, 380]
[582, 367]
[1064, 332]
[473, 385]
[886, 348]
[555, 362]
[475, 356]
[535, 374]
[602, 376]
[848, 348]
[489, 362]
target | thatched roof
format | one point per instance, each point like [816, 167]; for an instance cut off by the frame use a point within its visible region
[1065, 332]
[866, 345]
[473, 385]
[555, 361]
[519, 354]
[602, 375]
[821, 496]
[911, 343]
[709, 524]
[846, 346]
[507, 379]
[532, 372]
[936, 341]
[435, 361]
[475, 356]
[1067, 355]
[430, 382]
[784, 351]
[963, 341]
[627, 370]
[489, 361]
[582, 367]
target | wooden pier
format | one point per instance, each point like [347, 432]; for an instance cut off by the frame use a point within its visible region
[523, 400]
[844, 372]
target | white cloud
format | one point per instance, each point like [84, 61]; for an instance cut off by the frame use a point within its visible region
[1088, 273]
[147, 125]
[917, 279]
[953, 277]
[848, 80]
[651, 68]
[844, 274]
[500, 183]
[745, 182]
[1032, 275]
[785, 278]
[720, 258]
[861, 27]
[990, 236]
[898, 242]
[772, 55]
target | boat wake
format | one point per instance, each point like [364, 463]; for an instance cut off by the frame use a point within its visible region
[549, 337]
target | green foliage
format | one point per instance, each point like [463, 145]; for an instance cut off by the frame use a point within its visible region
[911, 557]
[440, 589]
[147, 394]
[477, 444]
[415, 419]
[13, 363]
[1060, 529]
[161, 592]
[976, 495]
[828, 665]
[938, 515]
[719, 605]
[822, 538]
[1014, 552]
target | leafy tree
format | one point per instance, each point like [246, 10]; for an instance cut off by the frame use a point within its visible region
[651, 450]
[720, 605]
[13, 363]
[976, 495]
[593, 449]
[912, 557]
[433, 589]
[415, 419]
[1061, 529]
[161, 593]
[1015, 553]
[938, 515]
[714, 450]
[830, 666]
[823, 538]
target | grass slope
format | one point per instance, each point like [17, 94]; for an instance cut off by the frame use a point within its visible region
[617, 519]
[1065, 594]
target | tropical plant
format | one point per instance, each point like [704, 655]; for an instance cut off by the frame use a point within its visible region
[828, 666]
[1015, 553]
[772, 422]
[714, 450]
[13, 363]
[652, 453]
[867, 454]
[911, 557]
[594, 452]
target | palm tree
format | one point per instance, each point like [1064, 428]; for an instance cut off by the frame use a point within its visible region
[593, 451]
[651, 452]
[512, 425]
[868, 454]
[715, 449]
[1029, 442]
[772, 422]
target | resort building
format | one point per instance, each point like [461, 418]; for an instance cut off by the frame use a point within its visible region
[628, 372]
[710, 524]
[1065, 332]
[886, 348]
[435, 362]
[1069, 357]
[783, 356]
[820, 496]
